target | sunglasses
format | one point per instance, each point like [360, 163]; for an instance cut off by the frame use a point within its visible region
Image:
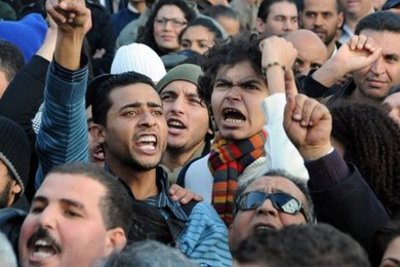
[283, 202]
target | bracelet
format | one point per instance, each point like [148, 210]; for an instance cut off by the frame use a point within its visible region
[269, 65]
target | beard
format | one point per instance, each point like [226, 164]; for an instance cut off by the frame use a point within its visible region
[137, 165]
[5, 194]
[329, 39]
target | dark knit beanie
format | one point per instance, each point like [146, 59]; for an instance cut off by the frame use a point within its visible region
[15, 150]
[184, 72]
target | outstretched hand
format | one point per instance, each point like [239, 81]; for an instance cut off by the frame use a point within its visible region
[307, 123]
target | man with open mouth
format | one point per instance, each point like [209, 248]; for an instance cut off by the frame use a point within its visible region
[244, 87]
[79, 215]
[189, 124]
[129, 124]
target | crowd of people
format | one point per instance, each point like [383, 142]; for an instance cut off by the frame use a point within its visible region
[200, 133]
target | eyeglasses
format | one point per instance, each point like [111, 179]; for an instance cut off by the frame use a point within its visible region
[283, 202]
[175, 22]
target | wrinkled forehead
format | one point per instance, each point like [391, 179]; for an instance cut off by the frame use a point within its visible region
[270, 184]
[238, 72]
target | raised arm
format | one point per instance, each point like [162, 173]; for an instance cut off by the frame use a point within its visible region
[358, 53]
[278, 56]
[340, 195]
[63, 134]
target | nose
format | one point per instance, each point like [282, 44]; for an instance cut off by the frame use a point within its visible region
[47, 218]
[267, 208]
[318, 20]
[289, 25]
[147, 119]
[168, 25]
[234, 94]
[378, 67]
[177, 107]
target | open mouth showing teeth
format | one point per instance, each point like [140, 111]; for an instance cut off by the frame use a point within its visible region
[233, 116]
[176, 124]
[98, 153]
[43, 249]
[147, 142]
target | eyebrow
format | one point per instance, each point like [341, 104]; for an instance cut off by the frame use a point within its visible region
[40, 199]
[173, 93]
[392, 260]
[72, 203]
[250, 80]
[68, 202]
[139, 104]
[391, 55]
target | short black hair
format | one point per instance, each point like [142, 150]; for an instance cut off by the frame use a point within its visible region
[300, 6]
[265, 6]
[148, 254]
[115, 206]
[379, 21]
[306, 245]
[101, 87]
[11, 59]
[382, 238]
[222, 11]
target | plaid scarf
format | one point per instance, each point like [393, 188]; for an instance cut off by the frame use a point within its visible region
[226, 162]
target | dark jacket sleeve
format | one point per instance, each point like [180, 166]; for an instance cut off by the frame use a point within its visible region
[309, 86]
[348, 203]
[21, 102]
[24, 95]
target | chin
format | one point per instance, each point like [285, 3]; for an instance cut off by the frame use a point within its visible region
[234, 135]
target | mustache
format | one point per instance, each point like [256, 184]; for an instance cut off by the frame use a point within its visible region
[42, 233]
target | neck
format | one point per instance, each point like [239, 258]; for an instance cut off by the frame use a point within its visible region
[359, 97]
[174, 159]
[351, 23]
[331, 47]
[142, 183]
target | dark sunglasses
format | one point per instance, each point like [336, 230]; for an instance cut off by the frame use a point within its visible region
[283, 202]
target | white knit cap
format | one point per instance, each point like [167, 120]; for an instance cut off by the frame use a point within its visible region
[139, 58]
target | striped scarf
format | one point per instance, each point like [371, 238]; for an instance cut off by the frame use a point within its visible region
[226, 162]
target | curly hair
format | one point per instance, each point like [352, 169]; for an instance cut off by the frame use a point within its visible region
[371, 142]
[230, 52]
[146, 32]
